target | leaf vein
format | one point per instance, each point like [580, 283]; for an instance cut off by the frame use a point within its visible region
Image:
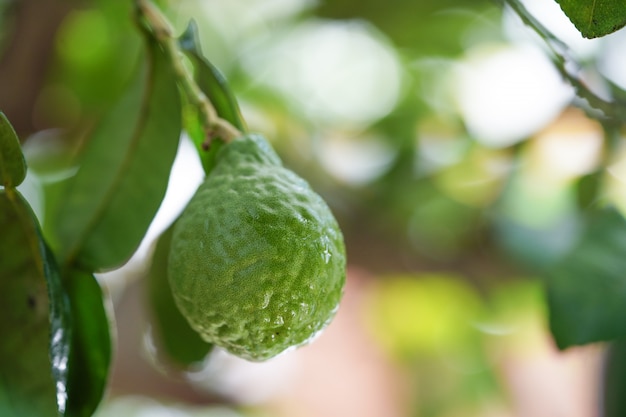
[590, 22]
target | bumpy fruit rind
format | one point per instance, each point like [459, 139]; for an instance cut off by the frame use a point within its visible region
[257, 263]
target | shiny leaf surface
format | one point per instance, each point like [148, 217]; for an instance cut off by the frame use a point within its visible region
[35, 321]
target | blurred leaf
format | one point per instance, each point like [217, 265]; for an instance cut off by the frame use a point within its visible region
[617, 92]
[91, 345]
[34, 323]
[12, 164]
[587, 288]
[595, 18]
[589, 188]
[97, 48]
[180, 341]
[124, 171]
[427, 27]
[614, 400]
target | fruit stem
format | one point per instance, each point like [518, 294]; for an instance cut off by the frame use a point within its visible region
[161, 30]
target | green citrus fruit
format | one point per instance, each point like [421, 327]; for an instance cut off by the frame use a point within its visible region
[257, 263]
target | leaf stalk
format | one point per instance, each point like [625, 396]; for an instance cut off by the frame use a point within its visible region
[161, 30]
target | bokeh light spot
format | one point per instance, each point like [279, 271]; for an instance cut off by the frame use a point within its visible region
[337, 72]
[506, 93]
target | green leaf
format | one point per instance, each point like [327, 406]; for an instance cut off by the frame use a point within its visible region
[91, 345]
[614, 386]
[214, 85]
[12, 164]
[124, 171]
[210, 79]
[34, 323]
[589, 188]
[587, 288]
[595, 18]
[178, 340]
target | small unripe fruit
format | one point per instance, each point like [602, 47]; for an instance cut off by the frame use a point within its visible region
[257, 263]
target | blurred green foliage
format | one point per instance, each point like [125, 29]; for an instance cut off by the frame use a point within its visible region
[431, 195]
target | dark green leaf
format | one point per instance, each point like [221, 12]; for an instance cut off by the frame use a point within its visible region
[595, 18]
[587, 288]
[614, 387]
[34, 324]
[12, 164]
[91, 345]
[179, 341]
[588, 189]
[123, 172]
[211, 81]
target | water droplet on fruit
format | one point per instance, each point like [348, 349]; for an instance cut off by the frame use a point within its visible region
[266, 300]
[325, 252]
